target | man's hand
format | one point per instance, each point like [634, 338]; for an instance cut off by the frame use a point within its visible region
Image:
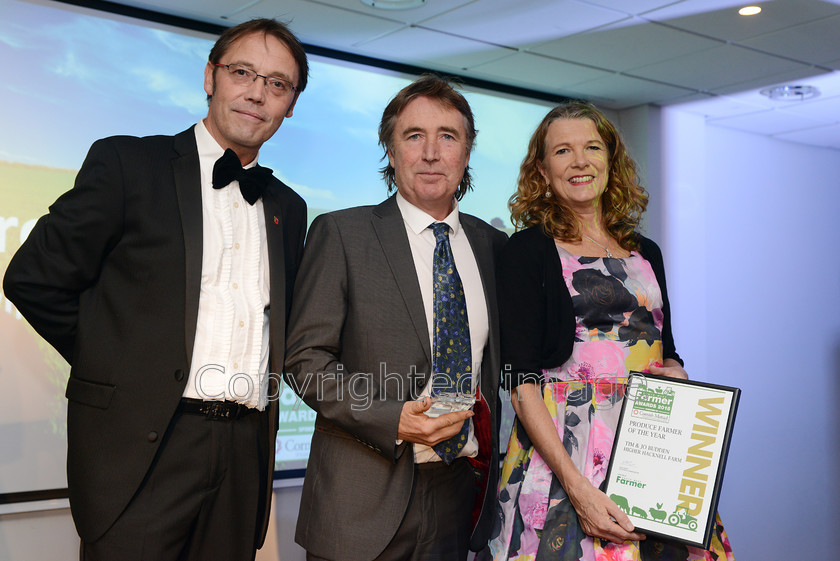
[416, 426]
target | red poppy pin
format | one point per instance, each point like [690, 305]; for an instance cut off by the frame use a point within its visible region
[276, 220]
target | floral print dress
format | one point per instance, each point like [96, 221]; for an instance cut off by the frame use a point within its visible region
[618, 309]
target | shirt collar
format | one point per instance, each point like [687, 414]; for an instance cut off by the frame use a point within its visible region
[418, 220]
[209, 148]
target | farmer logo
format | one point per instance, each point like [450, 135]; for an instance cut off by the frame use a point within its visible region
[653, 403]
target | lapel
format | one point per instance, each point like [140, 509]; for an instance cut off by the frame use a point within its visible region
[274, 228]
[482, 247]
[187, 176]
[390, 231]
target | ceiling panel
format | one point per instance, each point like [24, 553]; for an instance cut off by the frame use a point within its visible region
[725, 106]
[410, 16]
[802, 74]
[686, 8]
[631, 8]
[824, 109]
[506, 23]
[323, 25]
[417, 45]
[618, 53]
[726, 24]
[762, 122]
[313, 22]
[633, 91]
[825, 106]
[715, 68]
[536, 72]
[697, 97]
[817, 42]
[828, 136]
[608, 47]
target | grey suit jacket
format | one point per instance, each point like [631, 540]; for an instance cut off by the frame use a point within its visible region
[111, 278]
[358, 348]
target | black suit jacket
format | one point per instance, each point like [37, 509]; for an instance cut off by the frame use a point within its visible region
[110, 278]
[358, 309]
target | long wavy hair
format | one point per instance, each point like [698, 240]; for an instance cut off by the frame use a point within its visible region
[622, 202]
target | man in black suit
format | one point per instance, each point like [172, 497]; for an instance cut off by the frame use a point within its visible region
[164, 278]
[384, 480]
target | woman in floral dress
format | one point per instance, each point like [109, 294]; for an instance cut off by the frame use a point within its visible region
[583, 302]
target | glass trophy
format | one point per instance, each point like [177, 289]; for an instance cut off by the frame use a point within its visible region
[451, 400]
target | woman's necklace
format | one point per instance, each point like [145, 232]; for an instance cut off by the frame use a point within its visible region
[605, 248]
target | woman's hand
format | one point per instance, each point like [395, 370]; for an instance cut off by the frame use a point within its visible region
[671, 368]
[599, 516]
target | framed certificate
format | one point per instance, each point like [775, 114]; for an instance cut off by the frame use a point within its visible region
[669, 454]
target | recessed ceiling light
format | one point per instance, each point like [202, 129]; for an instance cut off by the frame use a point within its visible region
[393, 4]
[749, 10]
[791, 93]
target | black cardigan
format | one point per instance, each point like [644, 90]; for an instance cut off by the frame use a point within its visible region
[535, 307]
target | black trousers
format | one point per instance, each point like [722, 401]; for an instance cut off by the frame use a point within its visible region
[198, 502]
[438, 521]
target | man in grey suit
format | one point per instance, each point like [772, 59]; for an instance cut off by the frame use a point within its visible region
[362, 344]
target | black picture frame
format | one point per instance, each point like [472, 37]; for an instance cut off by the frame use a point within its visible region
[670, 447]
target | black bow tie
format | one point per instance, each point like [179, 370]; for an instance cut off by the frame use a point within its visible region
[252, 181]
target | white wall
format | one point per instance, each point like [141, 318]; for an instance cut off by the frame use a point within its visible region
[751, 241]
[641, 128]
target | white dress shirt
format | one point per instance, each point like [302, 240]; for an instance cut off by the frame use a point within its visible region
[422, 241]
[230, 353]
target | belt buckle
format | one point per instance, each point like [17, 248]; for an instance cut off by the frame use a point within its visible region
[218, 410]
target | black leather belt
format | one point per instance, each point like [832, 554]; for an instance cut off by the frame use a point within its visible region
[215, 410]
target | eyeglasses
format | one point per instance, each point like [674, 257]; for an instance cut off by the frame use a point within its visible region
[242, 76]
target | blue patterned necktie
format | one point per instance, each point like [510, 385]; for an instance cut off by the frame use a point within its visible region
[452, 350]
